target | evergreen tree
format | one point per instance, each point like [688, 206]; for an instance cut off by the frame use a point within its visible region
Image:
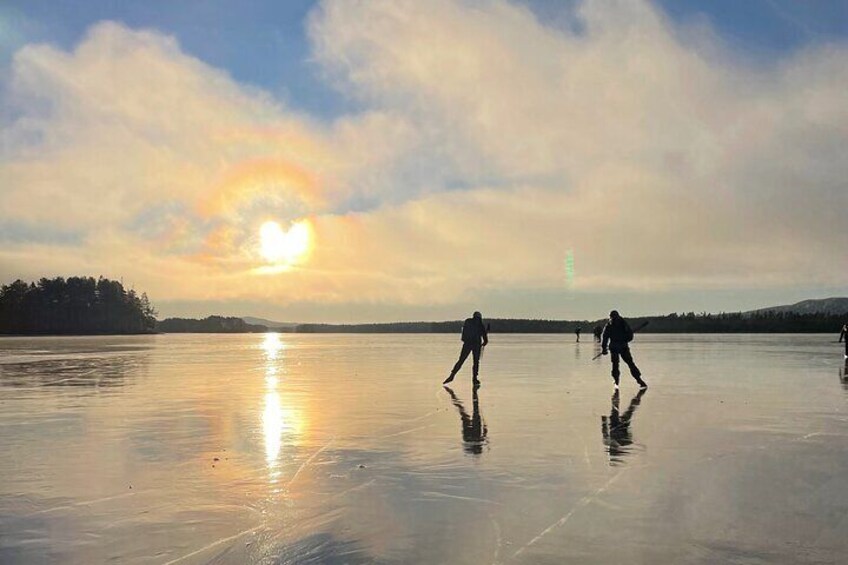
[77, 305]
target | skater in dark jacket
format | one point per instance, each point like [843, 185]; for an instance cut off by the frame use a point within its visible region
[844, 335]
[474, 339]
[615, 340]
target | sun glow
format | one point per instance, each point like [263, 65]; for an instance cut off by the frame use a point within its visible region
[281, 247]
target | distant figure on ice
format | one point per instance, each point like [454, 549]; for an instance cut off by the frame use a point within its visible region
[577, 333]
[474, 339]
[618, 335]
[598, 330]
[616, 428]
[473, 427]
[844, 335]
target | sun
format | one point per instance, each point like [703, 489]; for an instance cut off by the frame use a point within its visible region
[280, 247]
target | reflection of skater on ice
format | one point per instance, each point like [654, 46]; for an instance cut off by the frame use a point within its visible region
[474, 429]
[474, 339]
[616, 428]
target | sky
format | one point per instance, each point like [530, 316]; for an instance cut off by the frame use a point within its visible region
[543, 159]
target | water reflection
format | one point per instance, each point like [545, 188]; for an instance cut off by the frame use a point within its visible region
[277, 420]
[616, 428]
[474, 431]
[272, 345]
[843, 375]
[272, 427]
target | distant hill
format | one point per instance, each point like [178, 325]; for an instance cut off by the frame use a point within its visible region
[270, 324]
[813, 306]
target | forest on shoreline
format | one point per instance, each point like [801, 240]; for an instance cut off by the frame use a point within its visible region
[76, 305]
[210, 324]
[736, 322]
[86, 306]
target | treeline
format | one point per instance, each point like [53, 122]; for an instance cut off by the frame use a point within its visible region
[455, 326]
[212, 324]
[76, 305]
[394, 328]
[84, 305]
[737, 322]
[744, 322]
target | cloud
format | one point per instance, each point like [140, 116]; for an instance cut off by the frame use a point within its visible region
[126, 138]
[488, 145]
[685, 167]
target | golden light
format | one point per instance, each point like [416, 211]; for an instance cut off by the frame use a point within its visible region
[282, 247]
[280, 424]
[272, 427]
[272, 345]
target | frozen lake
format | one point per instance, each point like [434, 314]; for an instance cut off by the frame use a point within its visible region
[346, 449]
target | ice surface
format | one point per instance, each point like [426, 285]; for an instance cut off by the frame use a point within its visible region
[346, 449]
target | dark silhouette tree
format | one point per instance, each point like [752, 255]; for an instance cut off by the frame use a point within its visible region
[77, 305]
[212, 324]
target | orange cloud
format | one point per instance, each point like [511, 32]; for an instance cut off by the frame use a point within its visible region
[271, 178]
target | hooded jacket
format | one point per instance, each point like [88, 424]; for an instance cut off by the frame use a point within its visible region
[474, 332]
[617, 333]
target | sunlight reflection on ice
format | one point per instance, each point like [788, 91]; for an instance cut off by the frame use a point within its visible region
[276, 419]
[272, 345]
[272, 424]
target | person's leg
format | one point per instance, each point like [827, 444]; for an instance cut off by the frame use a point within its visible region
[634, 370]
[615, 371]
[463, 355]
[476, 358]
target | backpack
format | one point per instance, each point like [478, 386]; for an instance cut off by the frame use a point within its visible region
[628, 331]
[469, 331]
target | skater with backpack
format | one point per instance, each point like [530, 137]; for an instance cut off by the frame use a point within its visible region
[616, 338]
[474, 339]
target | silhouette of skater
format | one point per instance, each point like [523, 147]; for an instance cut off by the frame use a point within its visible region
[844, 335]
[618, 334]
[597, 330]
[577, 332]
[616, 429]
[474, 339]
[474, 429]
